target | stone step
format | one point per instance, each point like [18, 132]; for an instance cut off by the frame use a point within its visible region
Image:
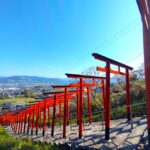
[94, 137]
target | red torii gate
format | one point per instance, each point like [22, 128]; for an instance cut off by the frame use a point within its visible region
[65, 98]
[108, 71]
[66, 113]
[51, 102]
[66, 107]
[81, 84]
[28, 113]
[144, 8]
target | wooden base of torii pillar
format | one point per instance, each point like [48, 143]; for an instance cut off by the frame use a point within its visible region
[144, 8]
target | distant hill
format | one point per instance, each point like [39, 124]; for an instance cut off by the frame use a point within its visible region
[36, 80]
[32, 80]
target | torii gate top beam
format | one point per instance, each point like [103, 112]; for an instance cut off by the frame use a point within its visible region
[83, 76]
[111, 61]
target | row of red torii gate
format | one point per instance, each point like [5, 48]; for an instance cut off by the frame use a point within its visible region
[33, 115]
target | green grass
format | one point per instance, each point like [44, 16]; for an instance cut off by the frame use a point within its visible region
[9, 142]
[16, 100]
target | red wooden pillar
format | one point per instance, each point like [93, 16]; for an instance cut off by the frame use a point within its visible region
[104, 102]
[25, 120]
[16, 121]
[48, 116]
[60, 113]
[54, 112]
[40, 118]
[89, 105]
[15, 127]
[147, 72]
[80, 108]
[144, 7]
[77, 108]
[128, 94]
[22, 117]
[107, 105]
[13, 124]
[44, 121]
[37, 118]
[65, 113]
[19, 124]
[32, 123]
[29, 121]
[104, 95]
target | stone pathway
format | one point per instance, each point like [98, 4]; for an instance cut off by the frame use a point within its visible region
[121, 136]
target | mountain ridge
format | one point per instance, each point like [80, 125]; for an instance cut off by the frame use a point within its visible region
[24, 79]
[16, 79]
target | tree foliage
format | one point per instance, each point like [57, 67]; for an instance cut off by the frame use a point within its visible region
[118, 92]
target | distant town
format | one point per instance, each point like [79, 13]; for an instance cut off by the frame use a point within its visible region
[16, 91]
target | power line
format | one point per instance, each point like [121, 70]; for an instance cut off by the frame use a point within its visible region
[125, 30]
[140, 54]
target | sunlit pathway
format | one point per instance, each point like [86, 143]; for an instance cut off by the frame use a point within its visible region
[121, 135]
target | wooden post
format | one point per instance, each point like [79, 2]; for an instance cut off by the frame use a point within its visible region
[80, 108]
[144, 8]
[54, 112]
[44, 122]
[128, 94]
[37, 118]
[60, 113]
[77, 108]
[107, 105]
[25, 120]
[104, 102]
[65, 113]
[28, 122]
[32, 123]
[89, 106]
[48, 116]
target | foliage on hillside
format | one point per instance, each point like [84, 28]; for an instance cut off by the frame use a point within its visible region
[118, 96]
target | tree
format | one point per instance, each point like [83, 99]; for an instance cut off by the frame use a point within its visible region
[29, 93]
[139, 73]
[92, 71]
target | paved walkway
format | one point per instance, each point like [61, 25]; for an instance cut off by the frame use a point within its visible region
[121, 136]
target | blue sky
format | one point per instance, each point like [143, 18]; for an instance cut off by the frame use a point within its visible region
[52, 37]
